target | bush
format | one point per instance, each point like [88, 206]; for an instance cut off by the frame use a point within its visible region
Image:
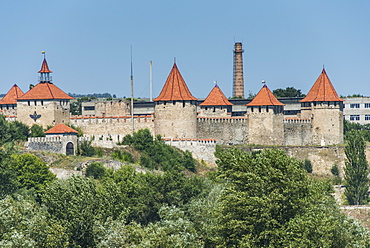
[96, 170]
[86, 149]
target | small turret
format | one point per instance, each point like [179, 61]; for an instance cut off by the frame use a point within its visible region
[265, 114]
[45, 76]
[216, 104]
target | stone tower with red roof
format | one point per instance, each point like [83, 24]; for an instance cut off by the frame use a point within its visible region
[325, 109]
[216, 104]
[8, 104]
[175, 109]
[45, 104]
[265, 117]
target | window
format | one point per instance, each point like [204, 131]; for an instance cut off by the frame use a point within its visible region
[354, 117]
[354, 105]
[367, 117]
[367, 105]
[89, 107]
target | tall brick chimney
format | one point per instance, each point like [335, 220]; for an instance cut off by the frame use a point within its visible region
[238, 84]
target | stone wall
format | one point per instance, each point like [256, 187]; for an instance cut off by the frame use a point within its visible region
[201, 149]
[265, 127]
[56, 144]
[297, 132]
[112, 125]
[176, 119]
[228, 130]
[106, 108]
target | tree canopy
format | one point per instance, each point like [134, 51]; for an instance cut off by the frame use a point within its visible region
[287, 92]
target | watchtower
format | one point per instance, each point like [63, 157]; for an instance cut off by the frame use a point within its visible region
[325, 109]
[265, 119]
[175, 109]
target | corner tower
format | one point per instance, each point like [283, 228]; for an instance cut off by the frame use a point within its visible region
[265, 117]
[325, 109]
[238, 82]
[175, 108]
[44, 104]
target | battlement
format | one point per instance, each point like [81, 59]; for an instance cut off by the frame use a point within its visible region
[10, 117]
[45, 139]
[296, 120]
[79, 119]
[235, 119]
[190, 142]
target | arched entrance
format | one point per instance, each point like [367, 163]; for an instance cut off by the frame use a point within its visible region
[70, 149]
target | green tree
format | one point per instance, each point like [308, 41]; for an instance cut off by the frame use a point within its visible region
[37, 131]
[96, 170]
[356, 170]
[31, 171]
[269, 201]
[8, 177]
[288, 92]
[85, 148]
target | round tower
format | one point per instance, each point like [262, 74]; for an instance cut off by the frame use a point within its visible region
[175, 109]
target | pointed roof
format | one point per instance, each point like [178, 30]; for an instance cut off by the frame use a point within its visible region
[216, 98]
[12, 95]
[45, 91]
[265, 98]
[175, 88]
[322, 90]
[45, 67]
[60, 129]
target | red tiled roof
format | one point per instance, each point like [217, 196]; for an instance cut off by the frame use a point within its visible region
[44, 67]
[216, 98]
[61, 128]
[175, 88]
[45, 91]
[322, 90]
[265, 98]
[12, 95]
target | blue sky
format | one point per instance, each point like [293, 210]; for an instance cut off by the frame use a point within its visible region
[87, 43]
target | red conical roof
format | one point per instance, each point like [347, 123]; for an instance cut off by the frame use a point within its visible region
[45, 91]
[175, 88]
[13, 94]
[322, 90]
[216, 98]
[45, 67]
[60, 128]
[265, 98]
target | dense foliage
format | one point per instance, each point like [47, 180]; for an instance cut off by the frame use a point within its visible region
[156, 154]
[288, 92]
[262, 199]
[363, 130]
[10, 131]
[356, 170]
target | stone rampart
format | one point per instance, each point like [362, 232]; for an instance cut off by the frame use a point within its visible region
[112, 125]
[226, 130]
[202, 149]
[297, 131]
[56, 144]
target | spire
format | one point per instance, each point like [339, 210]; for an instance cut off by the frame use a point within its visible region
[216, 98]
[265, 98]
[322, 90]
[44, 72]
[175, 88]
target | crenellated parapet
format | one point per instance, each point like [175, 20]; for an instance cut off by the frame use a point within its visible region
[79, 119]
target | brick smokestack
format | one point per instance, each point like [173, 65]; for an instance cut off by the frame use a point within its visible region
[238, 84]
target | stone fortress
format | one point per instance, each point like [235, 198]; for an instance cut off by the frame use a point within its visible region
[180, 118]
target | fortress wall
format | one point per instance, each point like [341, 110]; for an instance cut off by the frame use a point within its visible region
[266, 128]
[201, 149]
[112, 125]
[56, 144]
[297, 132]
[228, 130]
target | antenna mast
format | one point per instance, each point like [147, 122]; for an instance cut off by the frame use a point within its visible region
[151, 81]
[132, 96]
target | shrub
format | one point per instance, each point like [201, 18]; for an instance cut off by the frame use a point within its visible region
[95, 170]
